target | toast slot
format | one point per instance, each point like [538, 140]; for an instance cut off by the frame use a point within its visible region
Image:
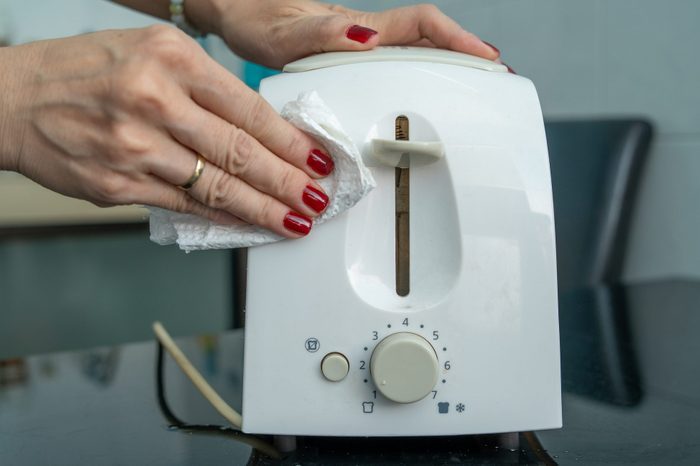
[402, 190]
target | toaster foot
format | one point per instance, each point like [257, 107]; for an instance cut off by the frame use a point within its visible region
[509, 440]
[285, 443]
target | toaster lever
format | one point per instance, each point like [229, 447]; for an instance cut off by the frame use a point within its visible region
[395, 153]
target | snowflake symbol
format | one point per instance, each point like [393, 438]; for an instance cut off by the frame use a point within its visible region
[460, 408]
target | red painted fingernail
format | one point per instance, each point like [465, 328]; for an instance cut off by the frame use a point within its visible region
[360, 34]
[315, 198]
[510, 70]
[320, 162]
[297, 223]
[492, 46]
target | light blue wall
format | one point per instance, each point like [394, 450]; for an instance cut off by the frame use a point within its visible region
[586, 57]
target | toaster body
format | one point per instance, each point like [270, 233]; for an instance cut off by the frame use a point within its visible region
[332, 347]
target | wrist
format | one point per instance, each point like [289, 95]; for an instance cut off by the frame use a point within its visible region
[205, 15]
[9, 154]
[16, 65]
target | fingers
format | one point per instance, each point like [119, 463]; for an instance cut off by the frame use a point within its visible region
[409, 25]
[237, 106]
[265, 193]
[106, 187]
[220, 191]
[159, 193]
[316, 34]
[242, 156]
[428, 22]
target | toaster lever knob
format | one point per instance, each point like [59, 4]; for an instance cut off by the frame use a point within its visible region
[404, 367]
[398, 153]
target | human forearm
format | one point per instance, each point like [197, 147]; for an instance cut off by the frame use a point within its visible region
[202, 14]
[16, 65]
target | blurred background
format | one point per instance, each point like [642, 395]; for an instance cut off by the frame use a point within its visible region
[73, 275]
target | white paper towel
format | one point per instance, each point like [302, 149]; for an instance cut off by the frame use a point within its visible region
[349, 182]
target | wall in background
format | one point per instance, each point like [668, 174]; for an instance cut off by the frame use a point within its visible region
[586, 57]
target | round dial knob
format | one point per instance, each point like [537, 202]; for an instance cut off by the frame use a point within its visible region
[404, 367]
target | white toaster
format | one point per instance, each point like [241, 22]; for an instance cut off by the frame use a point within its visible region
[429, 308]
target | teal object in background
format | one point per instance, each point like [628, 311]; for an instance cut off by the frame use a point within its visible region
[254, 73]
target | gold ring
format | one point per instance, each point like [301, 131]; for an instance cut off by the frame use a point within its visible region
[198, 169]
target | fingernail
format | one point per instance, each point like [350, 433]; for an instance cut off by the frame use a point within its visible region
[492, 46]
[297, 223]
[360, 33]
[510, 70]
[315, 198]
[320, 163]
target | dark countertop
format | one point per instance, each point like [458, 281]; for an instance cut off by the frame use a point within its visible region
[630, 375]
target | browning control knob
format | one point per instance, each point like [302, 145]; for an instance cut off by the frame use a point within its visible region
[404, 367]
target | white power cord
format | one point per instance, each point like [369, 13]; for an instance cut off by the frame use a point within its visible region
[230, 414]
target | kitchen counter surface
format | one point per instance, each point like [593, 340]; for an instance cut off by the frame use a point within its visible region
[630, 377]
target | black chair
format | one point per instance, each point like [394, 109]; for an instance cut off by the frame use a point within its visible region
[596, 166]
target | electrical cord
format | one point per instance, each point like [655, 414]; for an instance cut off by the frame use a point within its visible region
[230, 414]
[165, 341]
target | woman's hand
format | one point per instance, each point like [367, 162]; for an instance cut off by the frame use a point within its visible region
[276, 32]
[118, 117]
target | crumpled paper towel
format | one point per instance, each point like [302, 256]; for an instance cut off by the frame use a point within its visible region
[349, 182]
